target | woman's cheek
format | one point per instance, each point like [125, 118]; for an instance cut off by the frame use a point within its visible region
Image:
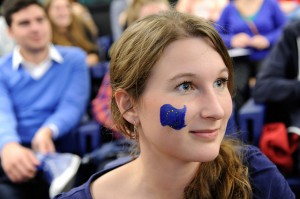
[172, 116]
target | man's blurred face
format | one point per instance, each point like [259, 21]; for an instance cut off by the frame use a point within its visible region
[31, 29]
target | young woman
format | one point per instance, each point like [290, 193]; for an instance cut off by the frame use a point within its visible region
[69, 30]
[172, 81]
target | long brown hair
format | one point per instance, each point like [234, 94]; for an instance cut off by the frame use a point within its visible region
[77, 35]
[132, 59]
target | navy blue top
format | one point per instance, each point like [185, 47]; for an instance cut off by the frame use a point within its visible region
[266, 181]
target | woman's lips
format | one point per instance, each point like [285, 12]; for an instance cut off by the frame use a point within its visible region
[206, 134]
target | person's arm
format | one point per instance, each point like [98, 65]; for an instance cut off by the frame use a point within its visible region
[273, 83]
[279, 20]
[8, 122]
[18, 162]
[92, 59]
[223, 26]
[266, 180]
[42, 141]
[73, 104]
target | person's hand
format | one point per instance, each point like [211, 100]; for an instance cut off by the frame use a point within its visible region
[240, 40]
[92, 59]
[42, 141]
[259, 42]
[19, 163]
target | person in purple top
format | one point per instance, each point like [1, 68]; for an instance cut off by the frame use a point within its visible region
[172, 86]
[254, 25]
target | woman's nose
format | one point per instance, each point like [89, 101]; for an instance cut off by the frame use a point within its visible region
[212, 107]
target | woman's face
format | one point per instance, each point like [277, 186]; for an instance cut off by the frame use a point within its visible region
[186, 104]
[60, 13]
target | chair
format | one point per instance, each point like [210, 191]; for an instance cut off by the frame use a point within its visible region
[104, 43]
[97, 73]
[82, 140]
[99, 70]
[251, 120]
[231, 125]
[89, 137]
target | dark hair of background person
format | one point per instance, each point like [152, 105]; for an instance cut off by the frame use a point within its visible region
[1, 1]
[9, 7]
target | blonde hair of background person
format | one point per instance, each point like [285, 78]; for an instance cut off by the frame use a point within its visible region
[134, 59]
[141, 8]
[83, 12]
[69, 30]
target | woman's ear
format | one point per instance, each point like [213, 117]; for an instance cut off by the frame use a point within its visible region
[125, 105]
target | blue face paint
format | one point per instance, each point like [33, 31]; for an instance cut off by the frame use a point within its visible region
[172, 117]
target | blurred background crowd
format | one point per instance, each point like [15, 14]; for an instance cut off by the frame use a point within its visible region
[262, 37]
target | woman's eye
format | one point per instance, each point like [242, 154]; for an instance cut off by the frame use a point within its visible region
[221, 83]
[185, 86]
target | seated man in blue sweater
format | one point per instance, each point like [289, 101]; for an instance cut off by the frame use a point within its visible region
[44, 90]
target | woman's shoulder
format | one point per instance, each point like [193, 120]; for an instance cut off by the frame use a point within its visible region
[113, 183]
[266, 180]
[103, 181]
[81, 192]
[257, 162]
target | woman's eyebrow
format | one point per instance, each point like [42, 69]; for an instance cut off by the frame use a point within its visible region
[181, 75]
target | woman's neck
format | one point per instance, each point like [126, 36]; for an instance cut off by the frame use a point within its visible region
[248, 8]
[163, 178]
[62, 30]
